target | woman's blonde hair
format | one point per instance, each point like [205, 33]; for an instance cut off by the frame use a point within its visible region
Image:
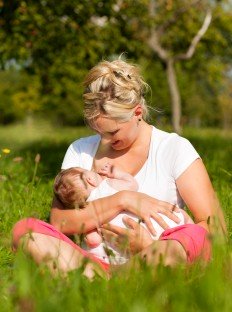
[113, 89]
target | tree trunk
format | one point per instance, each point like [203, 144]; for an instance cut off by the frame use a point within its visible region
[175, 96]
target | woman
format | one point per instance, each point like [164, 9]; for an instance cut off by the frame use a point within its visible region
[166, 167]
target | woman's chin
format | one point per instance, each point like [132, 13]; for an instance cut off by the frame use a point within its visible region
[119, 145]
[116, 145]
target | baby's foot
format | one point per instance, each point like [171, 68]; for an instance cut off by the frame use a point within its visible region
[93, 239]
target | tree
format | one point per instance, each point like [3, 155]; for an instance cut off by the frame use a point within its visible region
[225, 102]
[175, 31]
[169, 59]
[59, 41]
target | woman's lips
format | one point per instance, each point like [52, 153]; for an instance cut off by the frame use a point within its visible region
[115, 143]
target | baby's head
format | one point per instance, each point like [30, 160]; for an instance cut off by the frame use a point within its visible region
[74, 185]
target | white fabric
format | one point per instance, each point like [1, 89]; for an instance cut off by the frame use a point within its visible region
[169, 156]
[116, 256]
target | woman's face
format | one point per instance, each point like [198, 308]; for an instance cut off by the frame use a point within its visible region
[119, 135]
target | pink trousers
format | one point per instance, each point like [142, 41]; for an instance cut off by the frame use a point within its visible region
[192, 237]
[31, 225]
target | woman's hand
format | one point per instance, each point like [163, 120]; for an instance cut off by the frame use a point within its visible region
[134, 239]
[147, 207]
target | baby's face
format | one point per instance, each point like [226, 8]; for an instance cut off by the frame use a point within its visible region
[91, 179]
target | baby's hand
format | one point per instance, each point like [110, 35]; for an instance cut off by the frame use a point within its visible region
[106, 170]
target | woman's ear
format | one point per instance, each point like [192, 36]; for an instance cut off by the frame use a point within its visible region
[138, 111]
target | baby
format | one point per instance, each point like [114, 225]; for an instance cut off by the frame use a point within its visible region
[74, 187]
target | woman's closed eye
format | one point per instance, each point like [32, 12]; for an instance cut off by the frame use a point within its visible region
[101, 133]
[112, 132]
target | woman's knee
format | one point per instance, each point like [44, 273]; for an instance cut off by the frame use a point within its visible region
[57, 255]
[168, 252]
[18, 231]
[23, 227]
[174, 253]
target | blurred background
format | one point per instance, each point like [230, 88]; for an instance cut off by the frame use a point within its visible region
[184, 49]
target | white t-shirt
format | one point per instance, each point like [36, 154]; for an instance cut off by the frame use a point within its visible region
[169, 156]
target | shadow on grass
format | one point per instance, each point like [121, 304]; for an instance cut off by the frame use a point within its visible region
[215, 151]
[51, 156]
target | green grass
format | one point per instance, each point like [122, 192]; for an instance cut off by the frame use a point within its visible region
[26, 190]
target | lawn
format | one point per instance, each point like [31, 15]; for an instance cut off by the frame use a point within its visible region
[26, 190]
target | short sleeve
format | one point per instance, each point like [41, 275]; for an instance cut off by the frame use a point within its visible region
[185, 154]
[81, 152]
[71, 158]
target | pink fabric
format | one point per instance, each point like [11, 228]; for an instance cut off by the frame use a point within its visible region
[37, 226]
[193, 238]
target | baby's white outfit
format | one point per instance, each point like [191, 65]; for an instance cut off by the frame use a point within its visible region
[105, 251]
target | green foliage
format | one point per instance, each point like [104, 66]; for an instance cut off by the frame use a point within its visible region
[52, 45]
[56, 43]
[225, 103]
[27, 191]
[19, 95]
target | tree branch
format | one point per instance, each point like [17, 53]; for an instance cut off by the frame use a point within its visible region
[154, 44]
[197, 38]
[176, 15]
[153, 40]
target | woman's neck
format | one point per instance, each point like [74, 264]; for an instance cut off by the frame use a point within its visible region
[144, 136]
[139, 145]
[130, 159]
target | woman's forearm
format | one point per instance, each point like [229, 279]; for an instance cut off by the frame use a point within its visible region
[105, 209]
[77, 221]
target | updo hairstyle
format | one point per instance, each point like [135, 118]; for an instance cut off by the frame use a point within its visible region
[113, 89]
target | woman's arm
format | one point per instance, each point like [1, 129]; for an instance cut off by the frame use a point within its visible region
[77, 221]
[197, 192]
[147, 207]
[100, 211]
